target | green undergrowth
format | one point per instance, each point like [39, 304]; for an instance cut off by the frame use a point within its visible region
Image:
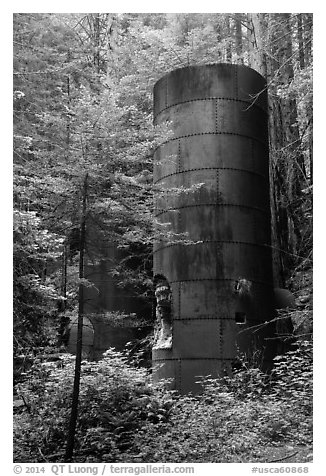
[123, 417]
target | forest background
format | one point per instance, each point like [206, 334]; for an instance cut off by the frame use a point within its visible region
[114, 61]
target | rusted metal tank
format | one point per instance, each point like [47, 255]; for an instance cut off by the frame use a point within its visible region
[222, 286]
[105, 297]
[88, 337]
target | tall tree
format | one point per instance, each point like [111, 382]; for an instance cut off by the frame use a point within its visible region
[83, 100]
[239, 37]
[274, 48]
[76, 387]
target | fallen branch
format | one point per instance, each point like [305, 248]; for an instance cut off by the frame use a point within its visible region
[27, 405]
[40, 451]
[282, 459]
[48, 458]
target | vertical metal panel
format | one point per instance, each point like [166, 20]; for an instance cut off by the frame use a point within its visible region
[220, 151]
[165, 369]
[219, 118]
[198, 338]
[198, 300]
[193, 371]
[252, 87]
[191, 83]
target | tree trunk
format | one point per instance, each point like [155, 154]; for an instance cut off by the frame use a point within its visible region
[76, 387]
[228, 52]
[300, 41]
[307, 21]
[97, 43]
[68, 116]
[258, 27]
[63, 335]
[292, 163]
[238, 38]
[68, 119]
[307, 33]
[257, 33]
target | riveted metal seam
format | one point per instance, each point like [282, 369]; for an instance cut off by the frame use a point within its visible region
[262, 210]
[251, 172]
[179, 157]
[179, 359]
[213, 98]
[217, 252]
[220, 338]
[179, 295]
[216, 318]
[228, 359]
[208, 318]
[217, 184]
[263, 283]
[246, 243]
[215, 115]
[264, 143]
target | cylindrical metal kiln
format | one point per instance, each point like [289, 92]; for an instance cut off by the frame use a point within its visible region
[221, 287]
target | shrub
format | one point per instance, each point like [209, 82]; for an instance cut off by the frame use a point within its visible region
[124, 418]
[115, 399]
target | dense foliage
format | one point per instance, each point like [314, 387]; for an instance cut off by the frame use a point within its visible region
[123, 418]
[83, 108]
[83, 104]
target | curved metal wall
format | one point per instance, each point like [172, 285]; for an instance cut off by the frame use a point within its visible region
[219, 120]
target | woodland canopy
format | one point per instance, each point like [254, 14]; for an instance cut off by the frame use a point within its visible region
[83, 159]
